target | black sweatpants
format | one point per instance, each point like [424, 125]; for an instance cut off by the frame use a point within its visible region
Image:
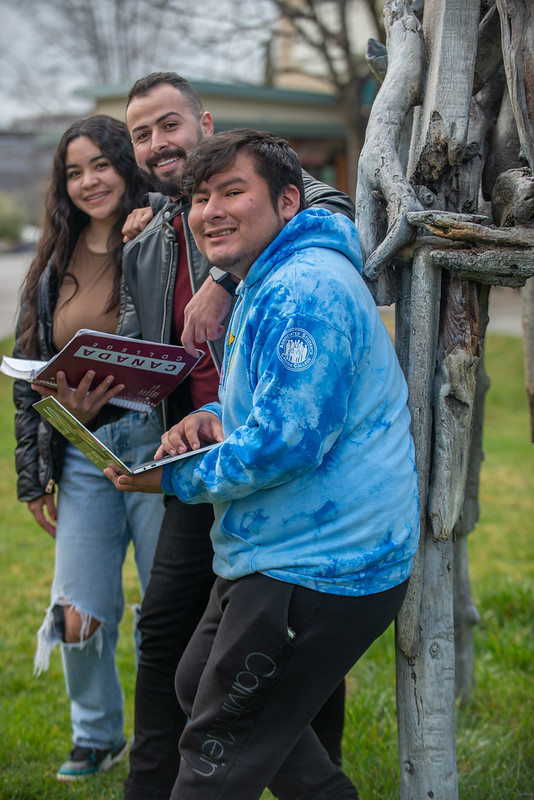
[175, 599]
[261, 663]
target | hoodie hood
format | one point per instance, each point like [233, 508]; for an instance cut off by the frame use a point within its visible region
[313, 227]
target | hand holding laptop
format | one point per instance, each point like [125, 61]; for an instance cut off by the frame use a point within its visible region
[100, 455]
[189, 435]
[184, 437]
[148, 481]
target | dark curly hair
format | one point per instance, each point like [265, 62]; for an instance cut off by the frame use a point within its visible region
[63, 221]
[274, 160]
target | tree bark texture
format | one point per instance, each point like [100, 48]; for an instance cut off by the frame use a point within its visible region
[439, 274]
[465, 612]
[527, 300]
[426, 676]
[457, 358]
[517, 27]
[416, 334]
[425, 688]
[450, 31]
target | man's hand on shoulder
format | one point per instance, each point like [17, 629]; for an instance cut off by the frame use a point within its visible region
[136, 222]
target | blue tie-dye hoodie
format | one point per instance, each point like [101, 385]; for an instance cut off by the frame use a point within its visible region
[315, 483]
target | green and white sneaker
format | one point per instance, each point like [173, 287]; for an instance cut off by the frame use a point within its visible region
[86, 761]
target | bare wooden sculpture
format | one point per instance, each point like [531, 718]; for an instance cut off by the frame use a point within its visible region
[427, 249]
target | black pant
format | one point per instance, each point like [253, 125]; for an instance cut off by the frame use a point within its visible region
[174, 602]
[261, 663]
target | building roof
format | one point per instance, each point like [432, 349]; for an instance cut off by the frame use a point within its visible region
[288, 112]
[223, 89]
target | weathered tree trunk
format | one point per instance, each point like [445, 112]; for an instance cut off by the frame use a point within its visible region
[465, 612]
[425, 678]
[441, 287]
[527, 299]
[416, 340]
[425, 641]
[383, 193]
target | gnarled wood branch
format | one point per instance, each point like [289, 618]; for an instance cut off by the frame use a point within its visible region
[492, 266]
[465, 228]
[382, 185]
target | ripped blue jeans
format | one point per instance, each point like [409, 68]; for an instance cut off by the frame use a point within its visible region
[96, 523]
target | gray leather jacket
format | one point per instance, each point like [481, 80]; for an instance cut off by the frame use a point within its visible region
[149, 270]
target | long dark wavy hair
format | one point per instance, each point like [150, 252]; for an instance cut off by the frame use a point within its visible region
[63, 221]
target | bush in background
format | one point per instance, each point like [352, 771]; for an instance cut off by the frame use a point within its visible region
[11, 220]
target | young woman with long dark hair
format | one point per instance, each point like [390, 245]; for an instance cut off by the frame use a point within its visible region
[74, 282]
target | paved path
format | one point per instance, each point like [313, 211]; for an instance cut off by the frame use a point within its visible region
[505, 304]
[13, 268]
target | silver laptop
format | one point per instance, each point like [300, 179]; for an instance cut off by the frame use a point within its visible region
[82, 438]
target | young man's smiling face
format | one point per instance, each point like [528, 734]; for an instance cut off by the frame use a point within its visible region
[232, 216]
[164, 129]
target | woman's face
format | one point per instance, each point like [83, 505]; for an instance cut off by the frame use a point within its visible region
[93, 184]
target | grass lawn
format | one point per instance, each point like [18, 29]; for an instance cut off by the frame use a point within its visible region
[495, 729]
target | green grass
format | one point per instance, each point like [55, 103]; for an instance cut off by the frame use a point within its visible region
[495, 729]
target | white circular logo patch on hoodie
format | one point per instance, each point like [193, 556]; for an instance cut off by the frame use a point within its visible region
[297, 350]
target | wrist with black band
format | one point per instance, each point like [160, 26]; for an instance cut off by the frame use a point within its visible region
[224, 279]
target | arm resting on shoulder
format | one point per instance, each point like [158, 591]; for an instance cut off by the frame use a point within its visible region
[321, 195]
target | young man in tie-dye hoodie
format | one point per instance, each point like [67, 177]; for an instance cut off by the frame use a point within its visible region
[313, 480]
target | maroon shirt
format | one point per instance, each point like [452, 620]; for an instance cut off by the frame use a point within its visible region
[204, 379]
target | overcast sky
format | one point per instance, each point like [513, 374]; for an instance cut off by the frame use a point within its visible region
[31, 82]
[20, 65]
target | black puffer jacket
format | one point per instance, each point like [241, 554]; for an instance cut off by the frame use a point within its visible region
[40, 448]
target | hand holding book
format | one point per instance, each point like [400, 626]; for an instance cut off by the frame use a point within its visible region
[97, 452]
[148, 371]
[83, 401]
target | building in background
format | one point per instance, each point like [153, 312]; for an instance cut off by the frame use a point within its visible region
[26, 151]
[313, 87]
[311, 121]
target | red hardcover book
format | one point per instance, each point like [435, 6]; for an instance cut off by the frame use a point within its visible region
[149, 370]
